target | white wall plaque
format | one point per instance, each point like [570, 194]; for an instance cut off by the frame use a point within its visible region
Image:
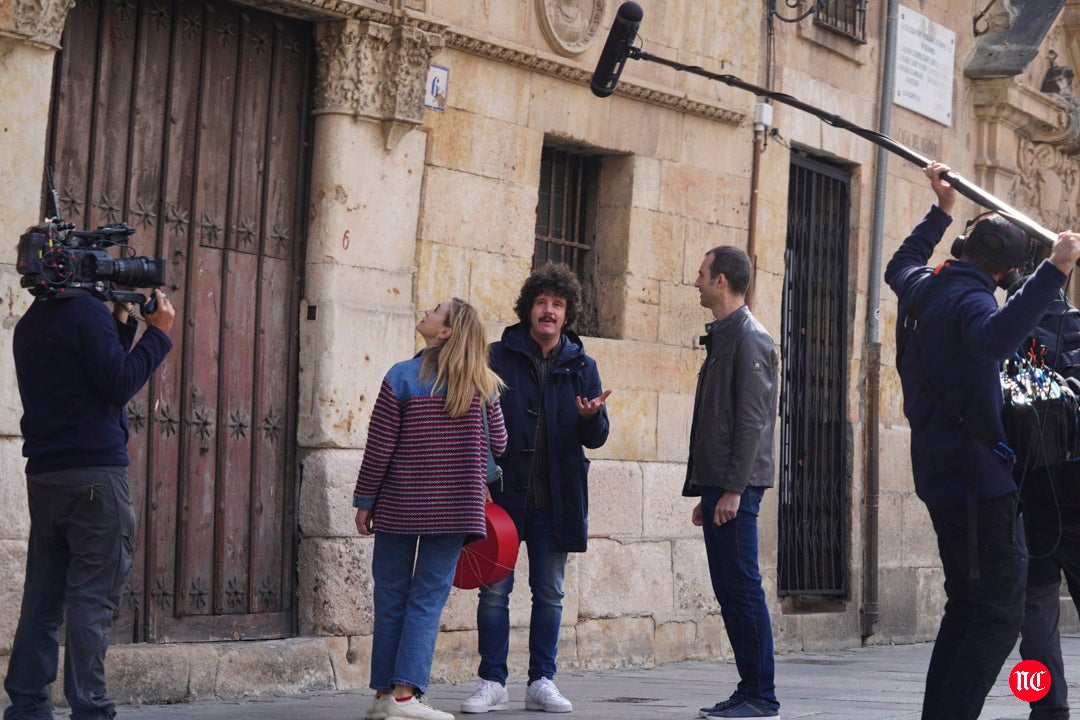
[925, 58]
[438, 82]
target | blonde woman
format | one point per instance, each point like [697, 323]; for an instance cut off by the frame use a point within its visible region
[421, 492]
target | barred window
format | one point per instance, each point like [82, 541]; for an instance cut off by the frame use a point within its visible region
[566, 220]
[847, 17]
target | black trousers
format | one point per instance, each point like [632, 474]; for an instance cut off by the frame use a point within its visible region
[982, 618]
[82, 528]
[1051, 505]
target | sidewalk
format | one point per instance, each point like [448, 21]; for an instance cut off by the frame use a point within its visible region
[876, 683]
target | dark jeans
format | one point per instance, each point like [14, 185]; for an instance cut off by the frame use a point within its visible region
[982, 618]
[546, 568]
[1052, 523]
[732, 552]
[82, 528]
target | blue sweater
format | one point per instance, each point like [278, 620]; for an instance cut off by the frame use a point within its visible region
[962, 338]
[75, 377]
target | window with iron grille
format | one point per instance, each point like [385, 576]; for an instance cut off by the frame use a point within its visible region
[847, 17]
[566, 221]
[813, 479]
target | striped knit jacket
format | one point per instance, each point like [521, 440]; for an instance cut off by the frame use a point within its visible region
[423, 472]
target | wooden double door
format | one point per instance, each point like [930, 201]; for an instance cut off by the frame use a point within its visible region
[189, 121]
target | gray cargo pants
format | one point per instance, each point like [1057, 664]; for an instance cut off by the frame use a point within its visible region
[82, 527]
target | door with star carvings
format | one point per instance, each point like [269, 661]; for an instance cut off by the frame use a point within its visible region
[188, 120]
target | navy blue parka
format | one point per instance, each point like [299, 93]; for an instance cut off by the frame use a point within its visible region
[573, 375]
[961, 339]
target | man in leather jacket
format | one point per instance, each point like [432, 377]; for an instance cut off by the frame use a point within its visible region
[730, 465]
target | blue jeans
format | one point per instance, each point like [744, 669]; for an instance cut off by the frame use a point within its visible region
[413, 575]
[982, 618]
[82, 529]
[546, 569]
[732, 552]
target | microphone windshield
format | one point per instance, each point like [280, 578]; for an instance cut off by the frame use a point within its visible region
[616, 49]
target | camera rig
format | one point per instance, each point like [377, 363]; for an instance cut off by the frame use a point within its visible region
[56, 260]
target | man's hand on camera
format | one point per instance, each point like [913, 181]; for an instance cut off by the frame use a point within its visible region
[162, 317]
[121, 311]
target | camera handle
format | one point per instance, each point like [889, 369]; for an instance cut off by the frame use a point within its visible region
[146, 304]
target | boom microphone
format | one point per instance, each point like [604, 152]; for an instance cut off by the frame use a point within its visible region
[616, 49]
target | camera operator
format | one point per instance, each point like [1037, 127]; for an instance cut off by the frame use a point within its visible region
[76, 371]
[951, 337]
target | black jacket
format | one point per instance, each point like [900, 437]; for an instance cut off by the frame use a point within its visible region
[731, 439]
[574, 374]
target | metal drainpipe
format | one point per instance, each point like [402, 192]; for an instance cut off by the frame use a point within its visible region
[872, 352]
[762, 121]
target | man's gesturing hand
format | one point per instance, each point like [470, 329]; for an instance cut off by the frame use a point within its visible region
[589, 409]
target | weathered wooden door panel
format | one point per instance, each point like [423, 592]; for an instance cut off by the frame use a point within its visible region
[187, 120]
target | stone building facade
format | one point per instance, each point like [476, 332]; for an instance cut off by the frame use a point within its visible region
[406, 205]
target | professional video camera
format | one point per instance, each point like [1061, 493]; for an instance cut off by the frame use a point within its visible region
[55, 260]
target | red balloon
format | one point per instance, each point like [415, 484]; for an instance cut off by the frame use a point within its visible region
[491, 559]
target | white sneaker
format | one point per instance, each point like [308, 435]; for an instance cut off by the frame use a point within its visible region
[415, 707]
[489, 695]
[377, 711]
[543, 695]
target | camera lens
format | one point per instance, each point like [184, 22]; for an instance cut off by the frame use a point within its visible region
[139, 271]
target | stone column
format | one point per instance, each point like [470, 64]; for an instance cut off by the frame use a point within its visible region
[357, 316]
[29, 37]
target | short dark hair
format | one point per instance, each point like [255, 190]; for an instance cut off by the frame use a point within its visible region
[551, 279]
[734, 264]
[995, 244]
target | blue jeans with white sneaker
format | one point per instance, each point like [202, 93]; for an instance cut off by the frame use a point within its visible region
[547, 567]
[413, 575]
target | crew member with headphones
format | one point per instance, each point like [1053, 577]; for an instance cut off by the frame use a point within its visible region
[1050, 499]
[951, 338]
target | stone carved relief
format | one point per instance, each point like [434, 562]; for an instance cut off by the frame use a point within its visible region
[40, 20]
[1059, 82]
[374, 70]
[316, 10]
[570, 26]
[1047, 185]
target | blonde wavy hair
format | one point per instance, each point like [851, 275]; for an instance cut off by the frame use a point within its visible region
[460, 363]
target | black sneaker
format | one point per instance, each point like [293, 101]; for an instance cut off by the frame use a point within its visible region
[745, 708]
[720, 706]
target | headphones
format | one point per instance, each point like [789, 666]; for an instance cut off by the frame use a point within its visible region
[999, 241]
